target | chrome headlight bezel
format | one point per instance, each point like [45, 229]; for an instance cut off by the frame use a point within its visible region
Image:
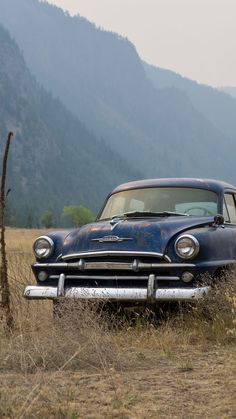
[49, 247]
[194, 248]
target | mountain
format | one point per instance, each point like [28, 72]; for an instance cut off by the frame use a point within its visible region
[54, 161]
[99, 76]
[231, 90]
[217, 106]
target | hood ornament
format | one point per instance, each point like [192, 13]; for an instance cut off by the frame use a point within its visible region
[112, 239]
[115, 223]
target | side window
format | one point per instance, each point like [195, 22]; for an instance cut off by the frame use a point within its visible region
[225, 213]
[230, 205]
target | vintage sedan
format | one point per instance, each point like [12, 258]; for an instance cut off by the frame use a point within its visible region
[154, 240]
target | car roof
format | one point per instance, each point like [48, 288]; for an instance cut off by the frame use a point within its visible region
[210, 184]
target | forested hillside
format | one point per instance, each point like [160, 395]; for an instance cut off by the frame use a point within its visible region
[54, 161]
[217, 106]
[100, 78]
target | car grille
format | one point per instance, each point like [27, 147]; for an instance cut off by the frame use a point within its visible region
[114, 271]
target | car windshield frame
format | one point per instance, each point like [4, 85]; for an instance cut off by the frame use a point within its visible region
[159, 213]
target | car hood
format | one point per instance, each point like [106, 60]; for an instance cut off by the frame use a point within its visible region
[143, 235]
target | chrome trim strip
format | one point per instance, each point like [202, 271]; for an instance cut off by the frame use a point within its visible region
[110, 266]
[51, 265]
[116, 277]
[118, 294]
[111, 239]
[115, 253]
[134, 266]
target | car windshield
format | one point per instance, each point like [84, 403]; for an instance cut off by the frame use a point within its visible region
[160, 202]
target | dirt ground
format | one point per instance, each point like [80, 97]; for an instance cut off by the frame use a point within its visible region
[199, 383]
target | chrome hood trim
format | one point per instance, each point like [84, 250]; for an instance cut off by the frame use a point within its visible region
[102, 253]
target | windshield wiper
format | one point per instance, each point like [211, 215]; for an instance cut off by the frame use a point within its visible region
[149, 214]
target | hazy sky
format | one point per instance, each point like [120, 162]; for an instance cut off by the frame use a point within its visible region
[196, 38]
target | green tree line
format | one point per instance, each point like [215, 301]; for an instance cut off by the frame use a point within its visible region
[73, 215]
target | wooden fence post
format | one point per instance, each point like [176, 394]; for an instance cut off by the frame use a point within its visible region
[4, 282]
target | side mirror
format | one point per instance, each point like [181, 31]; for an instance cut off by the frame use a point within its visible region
[218, 220]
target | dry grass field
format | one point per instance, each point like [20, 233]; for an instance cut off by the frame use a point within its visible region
[181, 364]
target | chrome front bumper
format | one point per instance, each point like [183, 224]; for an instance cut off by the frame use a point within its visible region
[149, 294]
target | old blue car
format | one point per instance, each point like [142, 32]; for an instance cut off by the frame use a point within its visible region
[153, 240]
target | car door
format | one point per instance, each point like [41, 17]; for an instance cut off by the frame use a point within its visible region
[229, 213]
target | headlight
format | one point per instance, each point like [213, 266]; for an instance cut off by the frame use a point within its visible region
[43, 247]
[187, 246]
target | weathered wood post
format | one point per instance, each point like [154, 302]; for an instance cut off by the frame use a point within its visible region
[4, 283]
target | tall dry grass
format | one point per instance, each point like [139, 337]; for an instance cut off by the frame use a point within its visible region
[89, 338]
[87, 335]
